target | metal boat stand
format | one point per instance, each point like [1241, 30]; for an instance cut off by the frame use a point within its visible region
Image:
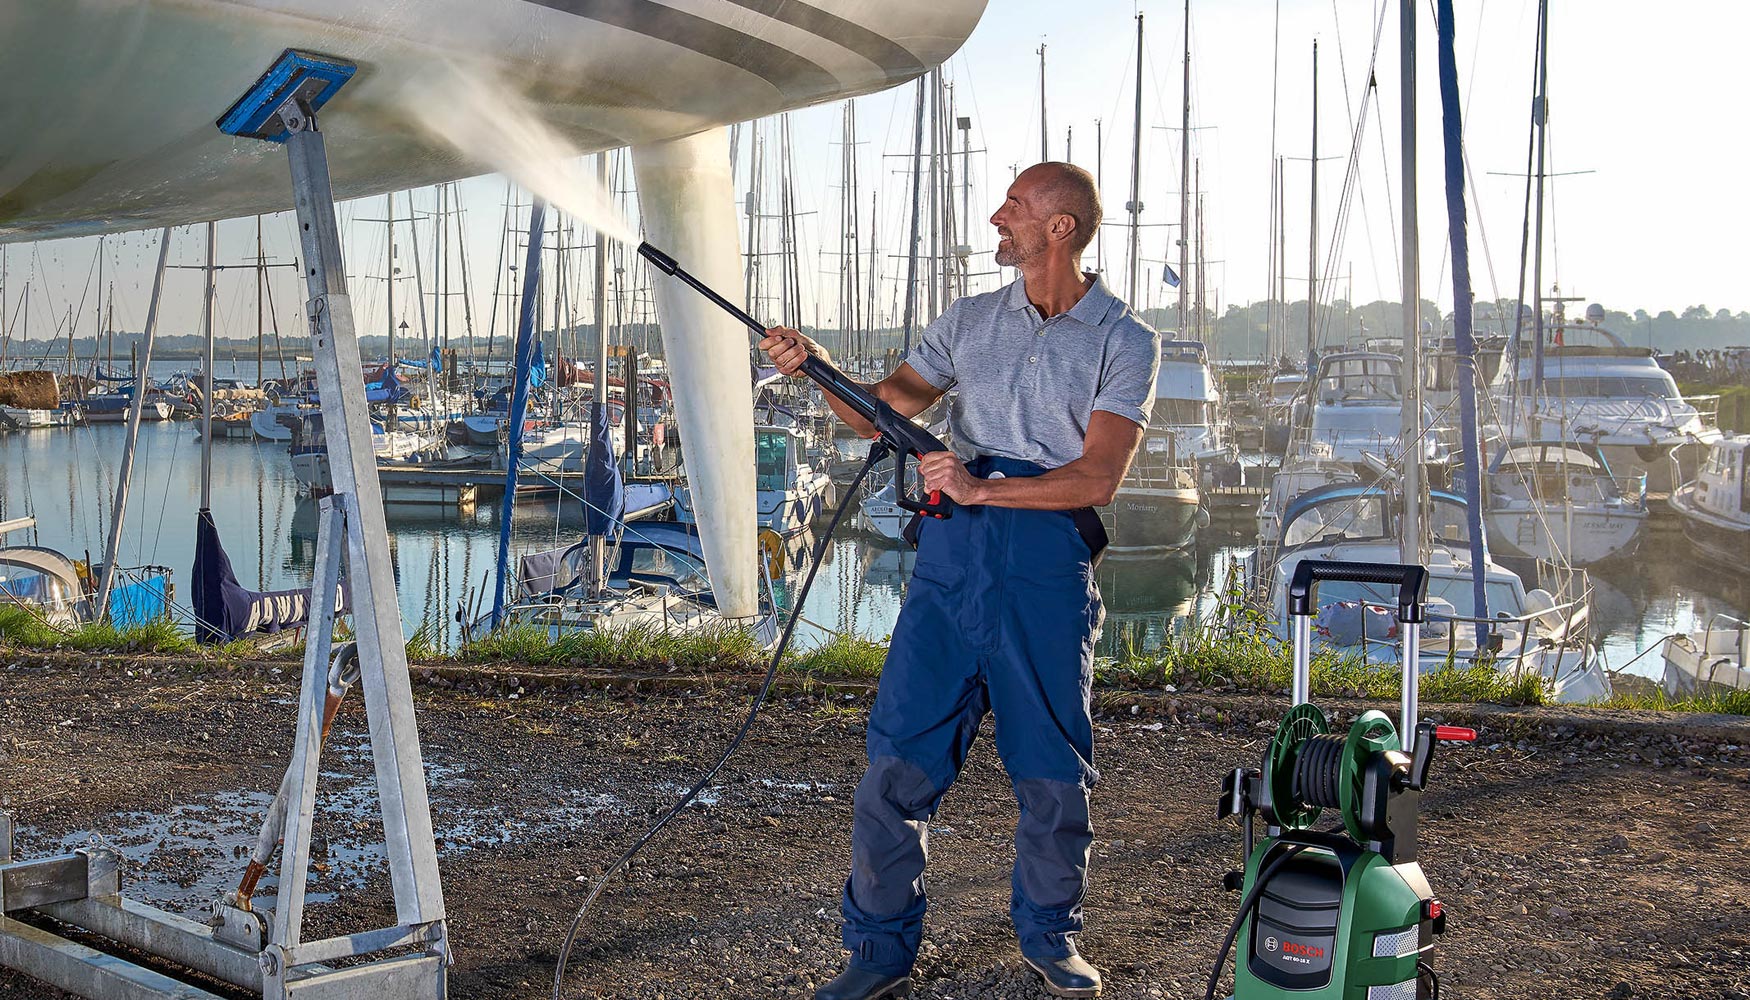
[262, 949]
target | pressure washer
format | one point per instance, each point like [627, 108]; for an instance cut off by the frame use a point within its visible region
[896, 436]
[1343, 913]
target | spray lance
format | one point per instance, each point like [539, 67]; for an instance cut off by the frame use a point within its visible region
[894, 434]
[898, 434]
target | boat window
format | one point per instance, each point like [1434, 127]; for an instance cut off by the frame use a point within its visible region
[771, 460]
[1360, 517]
[655, 564]
[1179, 412]
[33, 587]
[1659, 385]
[1359, 378]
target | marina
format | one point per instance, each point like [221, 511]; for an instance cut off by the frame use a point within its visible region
[504, 500]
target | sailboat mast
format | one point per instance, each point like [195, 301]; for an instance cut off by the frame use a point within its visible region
[260, 281]
[1100, 182]
[1540, 117]
[1135, 205]
[206, 378]
[935, 256]
[124, 475]
[1044, 140]
[1410, 542]
[1185, 173]
[1312, 233]
[911, 265]
[389, 282]
[1282, 254]
[598, 545]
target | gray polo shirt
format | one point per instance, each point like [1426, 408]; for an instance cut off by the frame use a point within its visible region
[1026, 387]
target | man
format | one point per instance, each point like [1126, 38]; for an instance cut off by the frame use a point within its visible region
[1054, 380]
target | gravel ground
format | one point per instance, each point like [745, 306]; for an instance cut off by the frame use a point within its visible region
[1577, 853]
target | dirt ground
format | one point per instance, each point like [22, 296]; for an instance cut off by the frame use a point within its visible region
[1578, 854]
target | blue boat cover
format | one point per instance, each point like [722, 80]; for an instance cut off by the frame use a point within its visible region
[603, 489]
[223, 608]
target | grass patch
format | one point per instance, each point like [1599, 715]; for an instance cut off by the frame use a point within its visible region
[22, 628]
[844, 656]
[1719, 702]
[718, 647]
[1235, 649]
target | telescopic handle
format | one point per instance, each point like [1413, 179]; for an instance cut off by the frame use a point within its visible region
[1411, 581]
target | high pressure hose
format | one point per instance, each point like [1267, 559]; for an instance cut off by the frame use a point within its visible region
[1247, 905]
[877, 452]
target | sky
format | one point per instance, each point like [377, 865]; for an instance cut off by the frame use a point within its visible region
[1648, 216]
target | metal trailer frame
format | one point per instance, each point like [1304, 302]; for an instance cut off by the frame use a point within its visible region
[261, 949]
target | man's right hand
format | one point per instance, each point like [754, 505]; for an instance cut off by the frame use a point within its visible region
[789, 348]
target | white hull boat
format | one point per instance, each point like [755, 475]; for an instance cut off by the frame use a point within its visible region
[1710, 660]
[1559, 502]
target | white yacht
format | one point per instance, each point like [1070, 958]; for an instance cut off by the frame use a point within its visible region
[1559, 501]
[1530, 633]
[792, 490]
[1715, 506]
[1276, 403]
[1599, 390]
[1708, 660]
[309, 450]
[1353, 413]
[1189, 422]
[881, 514]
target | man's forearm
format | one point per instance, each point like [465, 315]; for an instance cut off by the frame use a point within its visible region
[1065, 488]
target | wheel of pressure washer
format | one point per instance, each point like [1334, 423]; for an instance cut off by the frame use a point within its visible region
[1302, 723]
[1372, 733]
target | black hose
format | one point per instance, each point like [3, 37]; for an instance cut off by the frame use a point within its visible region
[877, 452]
[1249, 903]
[1318, 771]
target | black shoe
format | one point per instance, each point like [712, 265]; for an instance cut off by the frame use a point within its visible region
[861, 984]
[1066, 977]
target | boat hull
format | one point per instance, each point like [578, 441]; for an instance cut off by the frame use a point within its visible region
[1150, 519]
[81, 78]
[1596, 535]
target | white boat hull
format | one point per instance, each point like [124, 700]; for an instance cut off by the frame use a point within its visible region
[97, 91]
[1577, 536]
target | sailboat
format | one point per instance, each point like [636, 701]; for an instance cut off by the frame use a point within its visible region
[1533, 634]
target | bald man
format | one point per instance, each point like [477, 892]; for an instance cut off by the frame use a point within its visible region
[1053, 379]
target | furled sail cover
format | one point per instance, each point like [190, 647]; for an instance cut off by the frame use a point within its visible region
[224, 609]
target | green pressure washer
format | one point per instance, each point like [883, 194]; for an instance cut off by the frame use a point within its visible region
[1343, 913]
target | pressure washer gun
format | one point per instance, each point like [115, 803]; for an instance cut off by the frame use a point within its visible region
[894, 432]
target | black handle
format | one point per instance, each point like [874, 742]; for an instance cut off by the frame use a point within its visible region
[1411, 581]
[898, 433]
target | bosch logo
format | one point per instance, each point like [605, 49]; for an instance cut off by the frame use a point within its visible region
[1303, 950]
[1271, 944]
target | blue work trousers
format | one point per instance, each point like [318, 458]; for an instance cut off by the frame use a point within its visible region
[1000, 617]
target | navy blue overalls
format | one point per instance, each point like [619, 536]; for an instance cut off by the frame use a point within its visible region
[1000, 616]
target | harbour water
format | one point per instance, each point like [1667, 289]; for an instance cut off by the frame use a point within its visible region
[65, 478]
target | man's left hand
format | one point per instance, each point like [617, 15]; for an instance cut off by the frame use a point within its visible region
[942, 470]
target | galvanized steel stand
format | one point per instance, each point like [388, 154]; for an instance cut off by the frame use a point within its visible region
[258, 948]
